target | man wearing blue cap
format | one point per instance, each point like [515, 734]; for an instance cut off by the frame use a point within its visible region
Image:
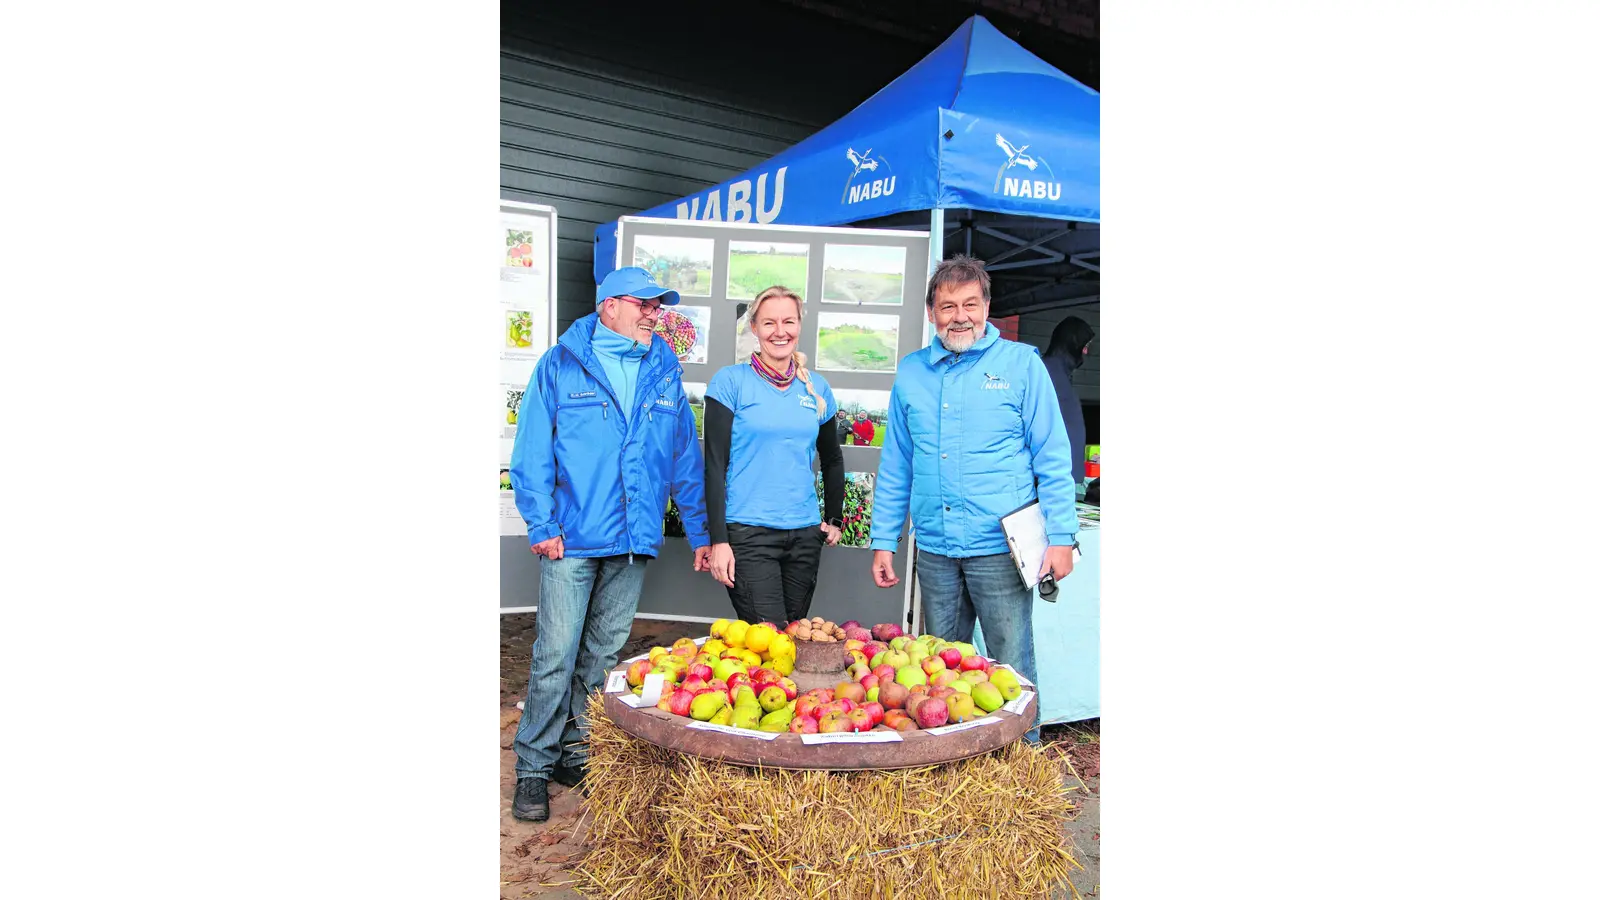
[604, 434]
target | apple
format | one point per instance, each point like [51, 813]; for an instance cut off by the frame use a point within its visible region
[850, 690]
[668, 673]
[802, 725]
[852, 644]
[973, 664]
[772, 697]
[681, 701]
[951, 657]
[693, 685]
[665, 703]
[945, 678]
[961, 708]
[891, 716]
[790, 689]
[987, 696]
[850, 624]
[893, 695]
[1008, 683]
[899, 642]
[860, 720]
[792, 629]
[914, 701]
[933, 665]
[726, 668]
[897, 658]
[886, 631]
[637, 670]
[962, 687]
[872, 693]
[905, 724]
[932, 712]
[858, 658]
[857, 633]
[868, 681]
[919, 688]
[940, 691]
[875, 647]
[906, 676]
[974, 676]
[807, 706]
[833, 722]
[857, 671]
[700, 671]
[875, 710]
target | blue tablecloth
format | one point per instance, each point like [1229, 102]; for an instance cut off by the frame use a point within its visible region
[1066, 641]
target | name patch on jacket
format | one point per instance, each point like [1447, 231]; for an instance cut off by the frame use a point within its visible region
[579, 395]
[995, 382]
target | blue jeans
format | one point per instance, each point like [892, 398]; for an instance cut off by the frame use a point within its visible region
[586, 609]
[988, 587]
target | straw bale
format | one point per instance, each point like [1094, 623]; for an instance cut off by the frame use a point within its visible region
[668, 825]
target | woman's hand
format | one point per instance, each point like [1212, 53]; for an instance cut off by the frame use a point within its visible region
[722, 563]
[833, 534]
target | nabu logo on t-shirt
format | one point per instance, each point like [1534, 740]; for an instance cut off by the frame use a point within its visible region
[808, 402]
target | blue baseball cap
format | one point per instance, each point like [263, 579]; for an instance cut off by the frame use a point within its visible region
[632, 281]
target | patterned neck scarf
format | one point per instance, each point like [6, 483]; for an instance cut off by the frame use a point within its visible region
[779, 381]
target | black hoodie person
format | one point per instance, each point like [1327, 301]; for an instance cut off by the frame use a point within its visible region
[1069, 347]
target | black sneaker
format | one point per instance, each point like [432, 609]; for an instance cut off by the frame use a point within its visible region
[532, 803]
[571, 776]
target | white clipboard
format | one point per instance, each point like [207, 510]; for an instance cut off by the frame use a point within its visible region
[1027, 541]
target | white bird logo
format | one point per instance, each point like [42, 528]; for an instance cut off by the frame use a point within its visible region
[863, 162]
[1017, 157]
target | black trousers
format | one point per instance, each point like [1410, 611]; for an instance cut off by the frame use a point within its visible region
[774, 571]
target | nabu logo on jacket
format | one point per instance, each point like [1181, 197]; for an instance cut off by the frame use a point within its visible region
[995, 382]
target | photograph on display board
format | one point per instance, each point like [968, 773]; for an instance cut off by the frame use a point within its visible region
[857, 508]
[680, 263]
[696, 392]
[863, 416]
[519, 329]
[513, 398]
[863, 275]
[857, 342]
[521, 251]
[687, 330]
[744, 343]
[754, 266]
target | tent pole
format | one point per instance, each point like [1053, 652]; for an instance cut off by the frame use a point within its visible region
[913, 601]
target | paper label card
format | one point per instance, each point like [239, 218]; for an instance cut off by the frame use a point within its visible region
[652, 688]
[633, 701]
[736, 732]
[963, 726]
[1020, 704]
[848, 737]
[618, 681]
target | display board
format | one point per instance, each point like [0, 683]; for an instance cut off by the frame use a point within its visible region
[525, 328]
[864, 311]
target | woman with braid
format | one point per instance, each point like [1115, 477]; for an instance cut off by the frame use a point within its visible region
[766, 424]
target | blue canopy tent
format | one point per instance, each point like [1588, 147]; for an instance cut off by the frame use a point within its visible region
[979, 124]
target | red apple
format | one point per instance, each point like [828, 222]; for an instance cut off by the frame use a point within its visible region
[891, 716]
[853, 644]
[637, 670]
[932, 713]
[905, 724]
[802, 725]
[940, 692]
[700, 671]
[850, 690]
[680, 702]
[873, 648]
[933, 665]
[857, 633]
[850, 624]
[693, 685]
[789, 687]
[833, 722]
[876, 711]
[667, 693]
[893, 696]
[946, 678]
[951, 657]
[886, 631]
[885, 674]
[860, 720]
[807, 706]
[974, 663]
[869, 681]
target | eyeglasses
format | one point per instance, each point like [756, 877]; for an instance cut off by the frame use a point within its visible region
[650, 306]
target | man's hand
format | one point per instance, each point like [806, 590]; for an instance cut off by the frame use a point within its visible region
[554, 548]
[702, 559]
[883, 569]
[833, 534]
[721, 563]
[1057, 562]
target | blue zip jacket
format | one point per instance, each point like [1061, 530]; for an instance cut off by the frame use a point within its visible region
[968, 434]
[597, 478]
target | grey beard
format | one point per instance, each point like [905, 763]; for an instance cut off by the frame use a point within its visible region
[959, 342]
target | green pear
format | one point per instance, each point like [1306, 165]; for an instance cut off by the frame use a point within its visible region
[987, 696]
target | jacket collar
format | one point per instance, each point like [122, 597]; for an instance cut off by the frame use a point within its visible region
[578, 340]
[937, 350]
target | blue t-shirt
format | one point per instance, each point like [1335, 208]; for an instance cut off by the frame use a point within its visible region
[770, 480]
